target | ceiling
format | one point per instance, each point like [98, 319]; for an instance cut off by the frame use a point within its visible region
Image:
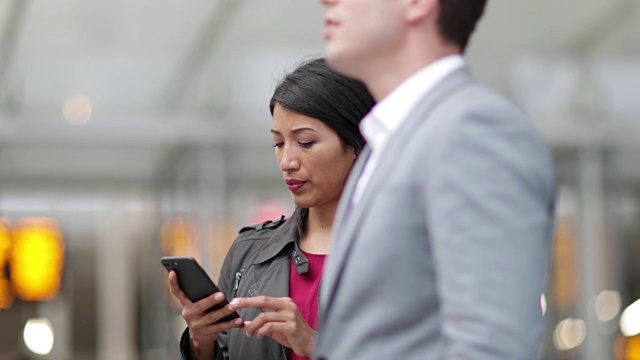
[164, 75]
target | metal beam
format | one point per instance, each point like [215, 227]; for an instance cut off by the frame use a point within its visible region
[9, 39]
[130, 130]
[199, 53]
[597, 32]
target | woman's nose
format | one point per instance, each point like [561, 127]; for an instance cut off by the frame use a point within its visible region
[289, 160]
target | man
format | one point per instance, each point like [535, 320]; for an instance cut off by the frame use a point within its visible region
[443, 233]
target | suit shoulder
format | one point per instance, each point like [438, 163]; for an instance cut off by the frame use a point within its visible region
[480, 98]
[262, 230]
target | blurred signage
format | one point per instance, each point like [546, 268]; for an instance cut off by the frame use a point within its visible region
[6, 296]
[36, 259]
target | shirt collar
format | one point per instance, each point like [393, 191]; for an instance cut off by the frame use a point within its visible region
[390, 112]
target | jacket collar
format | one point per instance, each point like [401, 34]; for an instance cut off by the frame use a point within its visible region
[285, 237]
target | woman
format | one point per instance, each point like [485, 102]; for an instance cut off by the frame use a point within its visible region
[273, 270]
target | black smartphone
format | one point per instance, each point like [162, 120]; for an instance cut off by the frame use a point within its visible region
[195, 282]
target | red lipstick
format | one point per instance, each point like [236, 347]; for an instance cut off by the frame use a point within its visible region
[294, 185]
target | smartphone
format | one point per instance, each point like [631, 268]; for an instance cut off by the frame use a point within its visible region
[195, 282]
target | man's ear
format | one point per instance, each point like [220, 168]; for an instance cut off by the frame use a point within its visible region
[418, 10]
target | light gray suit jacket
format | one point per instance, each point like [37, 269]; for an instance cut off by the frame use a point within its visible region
[445, 254]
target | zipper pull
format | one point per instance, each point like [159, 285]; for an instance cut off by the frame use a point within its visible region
[237, 283]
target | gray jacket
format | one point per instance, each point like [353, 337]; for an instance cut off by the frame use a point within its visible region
[444, 255]
[257, 264]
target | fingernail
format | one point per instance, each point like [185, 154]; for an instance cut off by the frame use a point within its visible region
[234, 302]
[218, 296]
[238, 322]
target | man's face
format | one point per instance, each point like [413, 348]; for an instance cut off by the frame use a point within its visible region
[361, 33]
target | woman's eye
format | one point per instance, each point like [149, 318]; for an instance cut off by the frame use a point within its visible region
[307, 144]
[278, 145]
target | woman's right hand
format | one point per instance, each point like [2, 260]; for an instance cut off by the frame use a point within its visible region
[203, 331]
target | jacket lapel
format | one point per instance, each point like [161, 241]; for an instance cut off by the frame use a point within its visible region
[344, 233]
[344, 206]
[343, 214]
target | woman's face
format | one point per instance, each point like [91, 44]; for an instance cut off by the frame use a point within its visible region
[313, 161]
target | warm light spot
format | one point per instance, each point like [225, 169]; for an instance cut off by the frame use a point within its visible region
[77, 110]
[38, 336]
[176, 236]
[268, 210]
[37, 259]
[607, 305]
[569, 334]
[630, 320]
[6, 296]
[543, 304]
[633, 348]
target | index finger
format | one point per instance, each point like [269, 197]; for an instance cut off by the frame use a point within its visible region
[266, 302]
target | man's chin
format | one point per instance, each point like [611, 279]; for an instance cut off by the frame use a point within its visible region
[339, 61]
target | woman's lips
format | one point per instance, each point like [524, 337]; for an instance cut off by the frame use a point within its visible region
[294, 185]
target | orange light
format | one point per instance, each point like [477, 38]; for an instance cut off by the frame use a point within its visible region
[633, 348]
[36, 259]
[6, 296]
[177, 237]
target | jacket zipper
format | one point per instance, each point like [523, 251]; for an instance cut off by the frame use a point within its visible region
[236, 284]
[282, 347]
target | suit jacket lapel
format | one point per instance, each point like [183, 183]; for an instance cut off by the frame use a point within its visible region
[347, 193]
[416, 118]
[343, 213]
[350, 217]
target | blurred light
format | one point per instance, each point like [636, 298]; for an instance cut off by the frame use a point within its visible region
[633, 348]
[176, 237]
[566, 201]
[37, 259]
[630, 320]
[77, 110]
[564, 289]
[268, 210]
[6, 296]
[38, 336]
[626, 205]
[569, 334]
[543, 304]
[607, 305]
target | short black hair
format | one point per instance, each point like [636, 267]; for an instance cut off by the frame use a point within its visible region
[316, 90]
[458, 19]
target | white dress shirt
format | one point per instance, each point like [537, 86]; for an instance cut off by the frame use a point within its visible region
[389, 114]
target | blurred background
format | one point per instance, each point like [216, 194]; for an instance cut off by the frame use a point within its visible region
[133, 129]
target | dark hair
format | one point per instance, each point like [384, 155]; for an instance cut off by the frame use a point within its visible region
[316, 90]
[458, 19]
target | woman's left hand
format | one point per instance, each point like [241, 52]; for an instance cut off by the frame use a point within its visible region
[284, 324]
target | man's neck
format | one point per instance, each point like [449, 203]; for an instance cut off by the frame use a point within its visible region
[388, 73]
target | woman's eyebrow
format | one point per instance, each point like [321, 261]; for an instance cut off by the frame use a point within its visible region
[295, 131]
